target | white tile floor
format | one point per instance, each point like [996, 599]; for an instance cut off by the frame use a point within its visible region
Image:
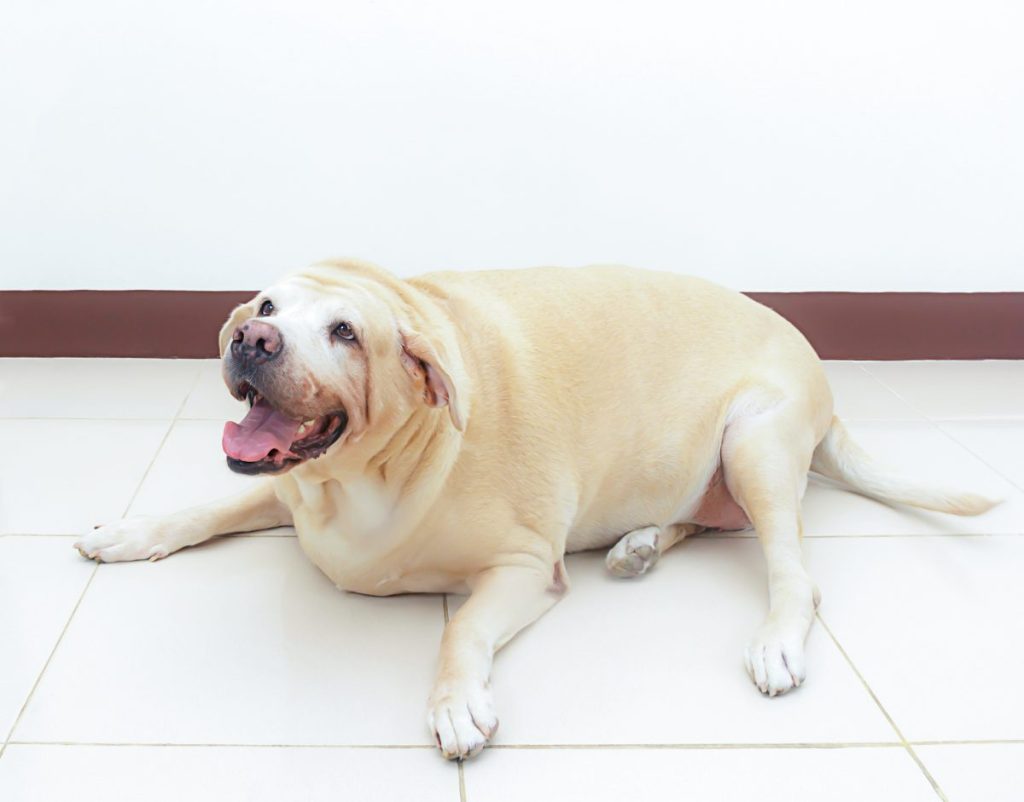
[236, 671]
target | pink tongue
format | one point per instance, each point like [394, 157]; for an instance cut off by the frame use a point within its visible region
[261, 431]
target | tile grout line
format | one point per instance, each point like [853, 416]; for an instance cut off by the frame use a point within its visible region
[877, 379]
[88, 582]
[462, 770]
[524, 747]
[163, 442]
[112, 419]
[132, 419]
[706, 537]
[149, 467]
[79, 534]
[49, 657]
[184, 745]
[220, 418]
[935, 425]
[188, 395]
[734, 536]
[975, 454]
[906, 744]
[903, 742]
[969, 742]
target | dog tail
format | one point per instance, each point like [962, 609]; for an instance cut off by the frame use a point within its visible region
[839, 458]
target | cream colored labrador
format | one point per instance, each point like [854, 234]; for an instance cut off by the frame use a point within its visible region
[463, 431]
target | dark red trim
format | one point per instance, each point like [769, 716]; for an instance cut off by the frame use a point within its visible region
[906, 325]
[840, 325]
[139, 323]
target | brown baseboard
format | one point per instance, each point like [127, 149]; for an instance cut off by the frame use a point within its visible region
[905, 325]
[134, 323]
[840, 325]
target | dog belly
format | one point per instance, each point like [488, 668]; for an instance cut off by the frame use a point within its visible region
[714, 508]
[717, 508]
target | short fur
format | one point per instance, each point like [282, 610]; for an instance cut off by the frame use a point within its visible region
[500, 419]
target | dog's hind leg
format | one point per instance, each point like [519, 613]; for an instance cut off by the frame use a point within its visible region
[639, 550]
[765, 457]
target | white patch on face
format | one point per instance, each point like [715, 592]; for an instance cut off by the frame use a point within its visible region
[321, 368]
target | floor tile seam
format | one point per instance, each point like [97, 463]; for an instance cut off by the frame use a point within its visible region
[49, 658]
[156, 455]
[846, 418]
[79, 534]
[927, 774]
[653, 746]
[188, 395]
[938, 425]
[104, 418]
[893, 390]
[462, 770]
[854, 536]
[936, 420]
[884, 385]
[85, 589]
[462, 781]
[706, 538]
[969, 742]
[888, 717]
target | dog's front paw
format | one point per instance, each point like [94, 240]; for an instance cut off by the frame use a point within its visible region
[462, 719]
[128, 539]
[775, 658]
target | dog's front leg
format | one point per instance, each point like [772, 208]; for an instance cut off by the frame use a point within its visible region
[151, 538]
[503, 601]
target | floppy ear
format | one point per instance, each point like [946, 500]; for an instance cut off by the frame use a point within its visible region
[238, 315]
[422, 362]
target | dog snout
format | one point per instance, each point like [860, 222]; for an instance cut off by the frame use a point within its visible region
[256, 342]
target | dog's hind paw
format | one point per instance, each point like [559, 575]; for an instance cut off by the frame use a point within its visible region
[635, 552]
[775, 659]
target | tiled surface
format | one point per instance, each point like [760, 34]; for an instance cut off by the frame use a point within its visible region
[41, 579]
[235, 670]
[65, 476]
[241, 640]
[223, 774]
[977, 772]
[920, 450]
[984, 389]
[708, 775]
[999, 444]
[95, 388]
[190, 469]
[860, 396]
[209, 397]
[935, 626]
[629, 662]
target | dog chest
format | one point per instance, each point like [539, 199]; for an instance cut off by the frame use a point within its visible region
[355, 535]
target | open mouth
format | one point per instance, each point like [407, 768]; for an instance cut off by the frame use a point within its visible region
[268, 441]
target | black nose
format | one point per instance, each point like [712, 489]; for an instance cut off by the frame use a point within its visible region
[256, 342]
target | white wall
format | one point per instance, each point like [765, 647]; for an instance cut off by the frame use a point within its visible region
[873, 145]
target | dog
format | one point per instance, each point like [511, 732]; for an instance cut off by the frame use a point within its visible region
[462, 432]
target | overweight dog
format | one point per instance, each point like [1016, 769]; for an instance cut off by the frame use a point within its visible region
[463, 431]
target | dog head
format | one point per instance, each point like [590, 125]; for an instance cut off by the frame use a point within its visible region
[325, 356]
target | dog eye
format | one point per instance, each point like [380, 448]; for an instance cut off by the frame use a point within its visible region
[344, 331]
[266, 308]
